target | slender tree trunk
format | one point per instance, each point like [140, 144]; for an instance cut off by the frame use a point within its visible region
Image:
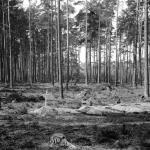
[48, 50]
[135, 75]
[120, 69]
[59, 52]
[67, 81]
[96, 61]
[106, 59]
[39, 64]
[123, 68]
[86, 47]
[4, 45]
[99, 51]
[127, 68]
[35, 56]
[30, 45]
[56, 39]
[116, 69]
[93, 61]
[146, 73]
[21, 61]
[44, 61]
[130, 64]
[140, 55]
[10, 52]
[90, 68]
[119, 59]
[134, 64]
[105, 63]
[139, 46]
[109, 57]
[52, 68]
[1, 60]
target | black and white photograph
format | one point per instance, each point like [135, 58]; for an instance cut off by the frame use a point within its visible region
[74, 74]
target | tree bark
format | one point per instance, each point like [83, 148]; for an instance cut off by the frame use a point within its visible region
[52, 68]
[99, 51]
[116, 69]
[139, 44]
[10, 52]
[4, 45]
[146, 73]
[90, 68]
[109, 57]
[67, 81]
[86, 47]
[48, 50]
[127, 68]
[30, 46]
[56, 39]
[59, 52]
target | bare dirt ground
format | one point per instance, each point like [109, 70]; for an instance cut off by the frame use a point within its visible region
[21, 130]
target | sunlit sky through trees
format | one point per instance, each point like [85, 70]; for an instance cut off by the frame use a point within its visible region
[122, 5]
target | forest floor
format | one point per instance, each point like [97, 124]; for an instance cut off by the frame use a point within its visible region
[22, 130]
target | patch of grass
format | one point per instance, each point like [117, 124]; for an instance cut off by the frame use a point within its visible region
[27, 144]
[84, 141]
[10, 106]
[107, 136]
[22, 110]
[18, 97]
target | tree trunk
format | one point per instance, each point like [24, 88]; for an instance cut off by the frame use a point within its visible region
[90, 67]
[67, 81]
[109, 57]
[10, 54]
[30, 46]
[86, 47]
[39, 64]
[146, 73]
[106, 57]
[35, 53]
[139, 46]
[56, 39]
[127, 68]
[4, 46]
[99, 51]
[119, 59]
[94, 60]
[140, 55]
[134, 81]
[116, 69]
[52, 73]
[59, 52]
[48, 50]
[21, 62]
